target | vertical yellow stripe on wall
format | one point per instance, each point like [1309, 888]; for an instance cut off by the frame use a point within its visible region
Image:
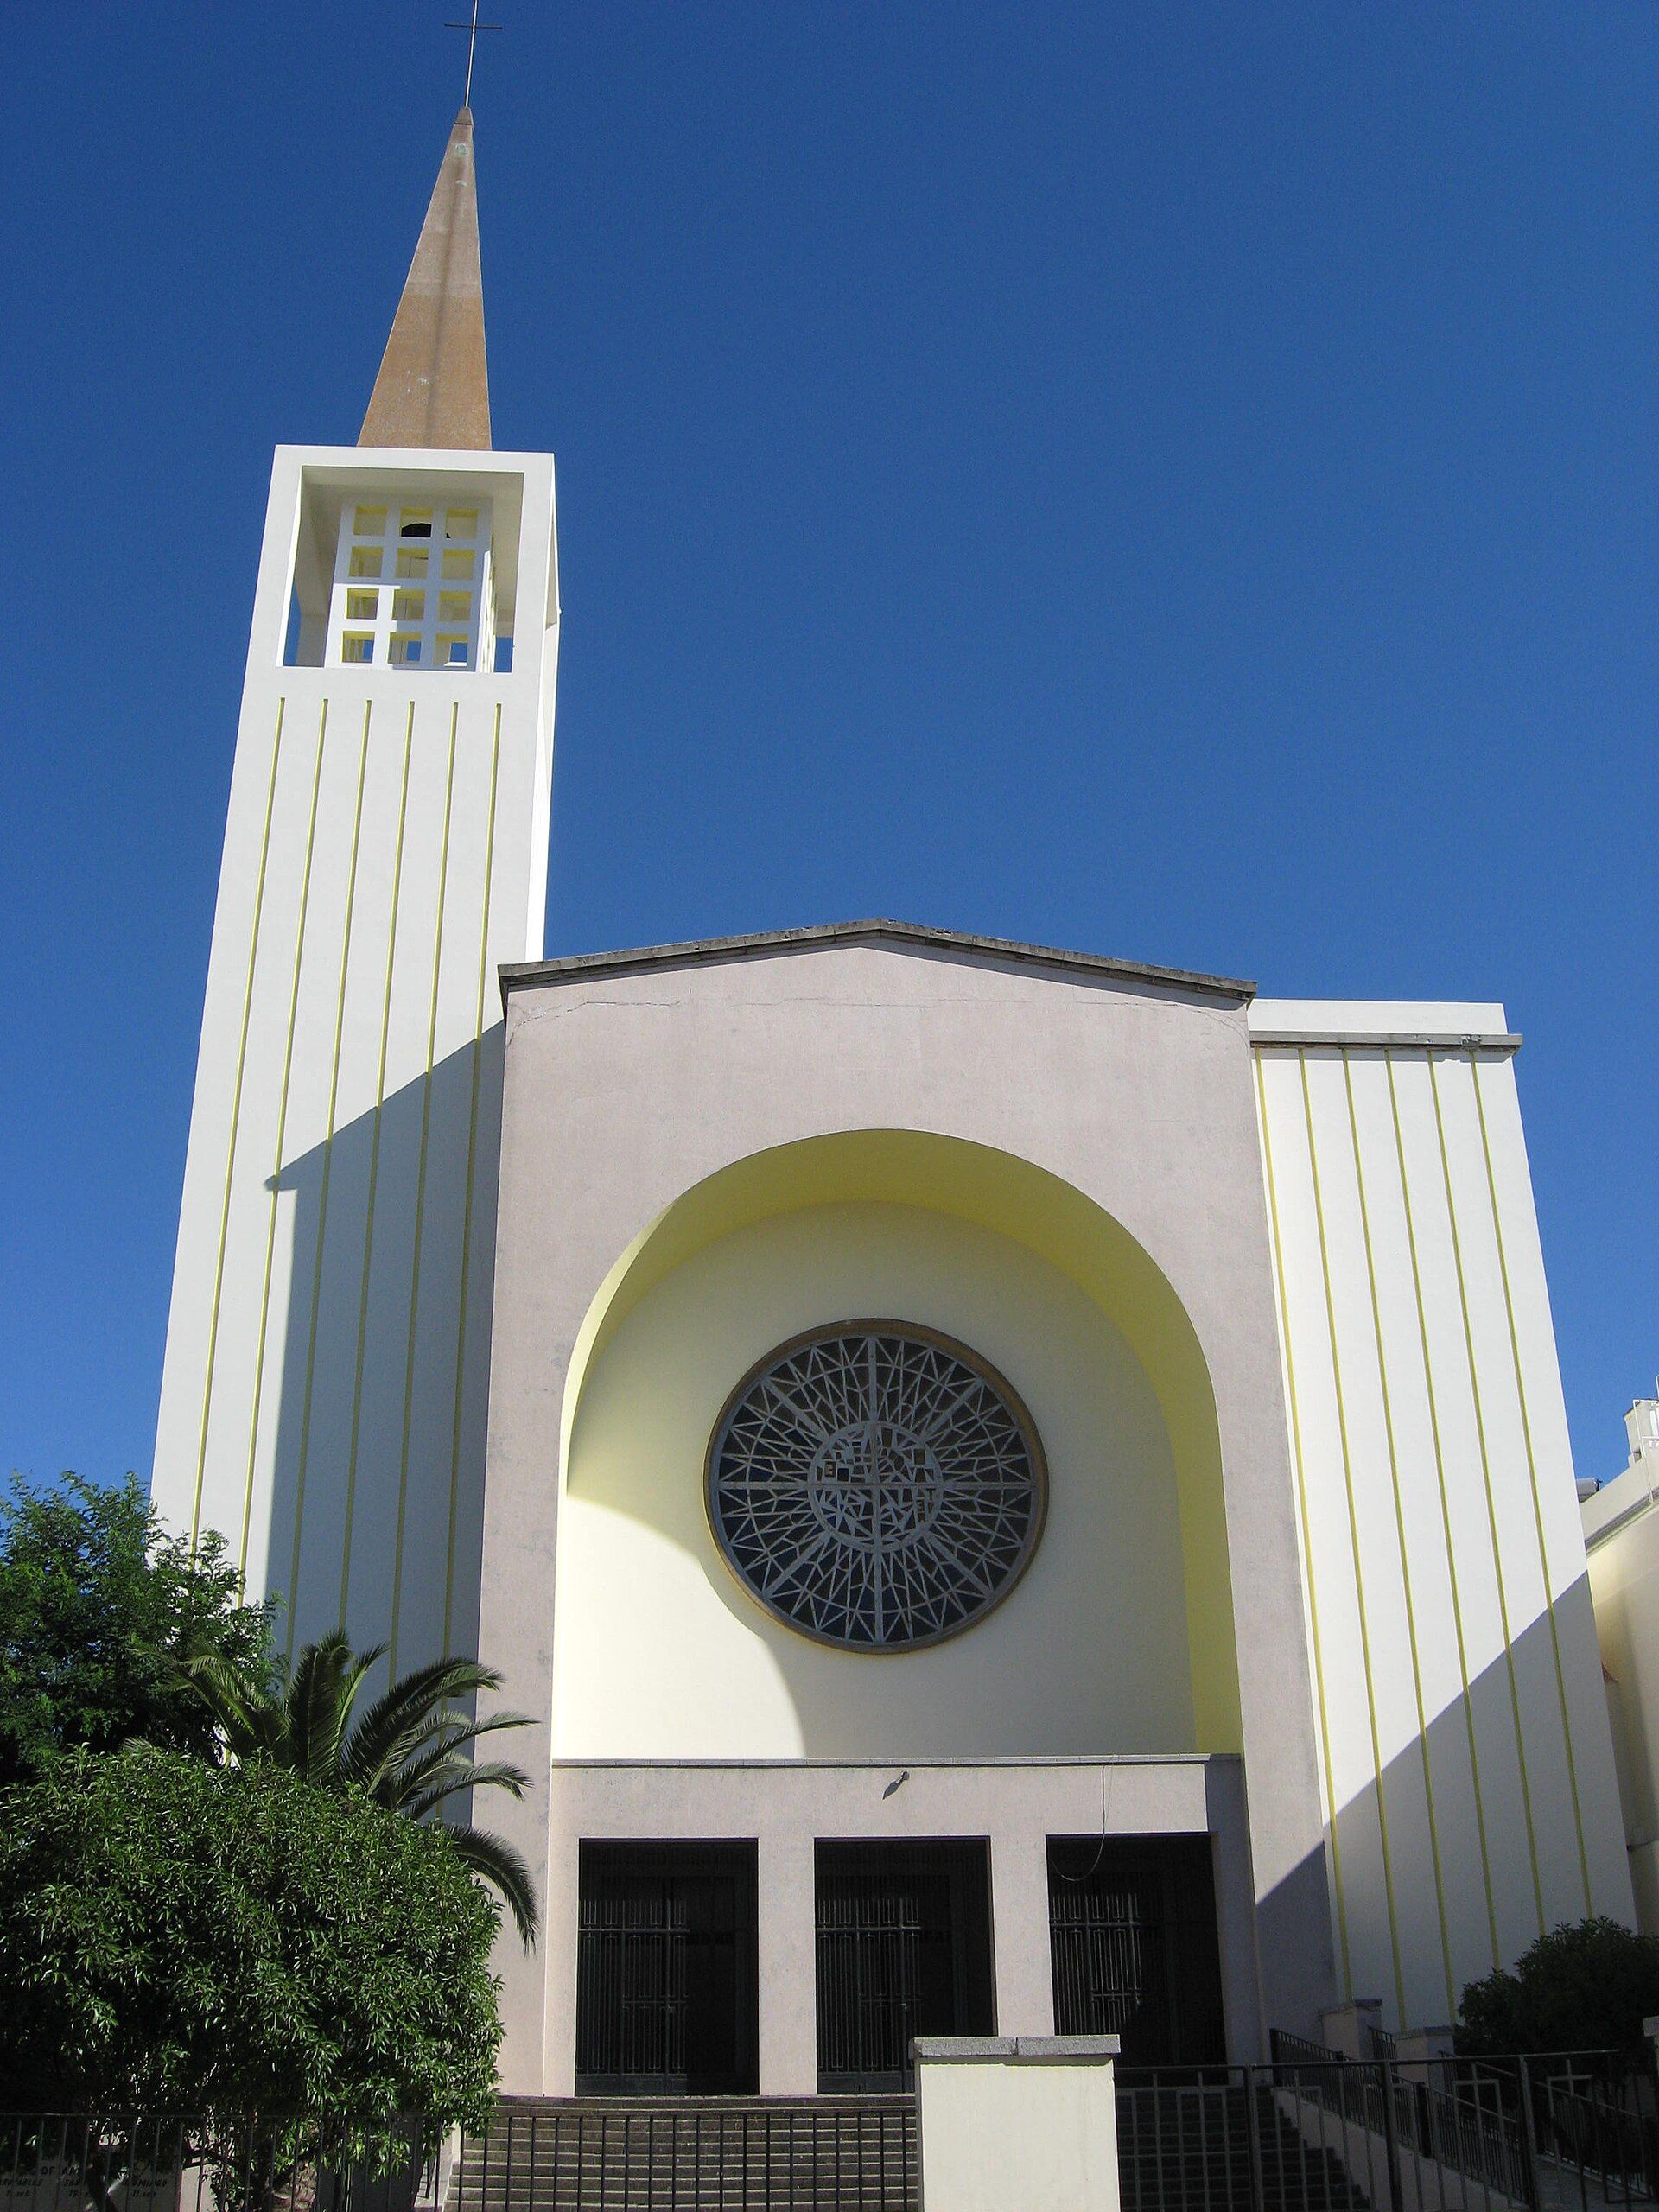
[420, 1209]
[1307, 1539]
[236, 1119]
[1532, 1477]
[281, 1142]
[1400, 1531]
[1353, 1539]
[1491, 1501]
[1445, 1511]
[327, 1172]
[466, 1218]
[374, 1172]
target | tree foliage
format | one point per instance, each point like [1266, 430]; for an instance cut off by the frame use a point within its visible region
[228, 1942]
[410, 1750]
[1586, 1985]
[100, 1608]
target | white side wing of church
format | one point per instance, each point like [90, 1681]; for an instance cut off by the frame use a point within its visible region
[1021, 1490]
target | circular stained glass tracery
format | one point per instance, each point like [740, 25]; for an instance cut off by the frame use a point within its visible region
[876, 1485]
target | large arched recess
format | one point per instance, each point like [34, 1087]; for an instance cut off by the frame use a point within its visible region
[1055, 1220]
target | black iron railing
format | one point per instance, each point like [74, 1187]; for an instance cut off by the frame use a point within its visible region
[115, 2163]
[1310, 2133]
[1540, 2130]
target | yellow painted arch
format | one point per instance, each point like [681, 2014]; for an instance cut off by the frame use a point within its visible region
[1052, 1217]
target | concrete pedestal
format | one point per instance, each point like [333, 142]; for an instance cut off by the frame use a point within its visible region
[1017, 2120]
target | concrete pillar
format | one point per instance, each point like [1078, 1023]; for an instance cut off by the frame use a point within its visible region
[1416, 2051]
[546, 2065]
[1017, 2120]
[1020, 1936]
[1419, 2044]
[786, 1913]
[1346, 2028]
[1236, 1921]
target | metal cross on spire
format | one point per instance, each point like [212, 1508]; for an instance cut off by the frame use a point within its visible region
[472, 30]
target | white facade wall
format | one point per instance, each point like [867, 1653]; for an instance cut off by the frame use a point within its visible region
[324, 1396]
[1106, 1120]
[1466, 1765]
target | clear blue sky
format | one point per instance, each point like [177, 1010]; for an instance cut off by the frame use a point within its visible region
[1177, 479]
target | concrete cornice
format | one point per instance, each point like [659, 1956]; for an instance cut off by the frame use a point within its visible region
[699, 951]
[1432, 1025]
[1021, 1761]
[1487, 1040]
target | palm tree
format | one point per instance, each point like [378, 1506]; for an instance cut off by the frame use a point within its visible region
[410, 1752]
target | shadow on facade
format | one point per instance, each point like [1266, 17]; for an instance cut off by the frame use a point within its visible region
[1093, 1638]
[373, 1486]
[1451, 1863]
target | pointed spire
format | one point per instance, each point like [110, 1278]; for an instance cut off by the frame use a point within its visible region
[434, 386]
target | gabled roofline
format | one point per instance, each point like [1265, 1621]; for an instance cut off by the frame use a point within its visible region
[698, 951]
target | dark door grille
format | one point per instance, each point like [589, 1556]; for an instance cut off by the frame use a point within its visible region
[1132, 1935]
[1111, 1960]
[903, 1950]
[664, 1970]
[631, 1970]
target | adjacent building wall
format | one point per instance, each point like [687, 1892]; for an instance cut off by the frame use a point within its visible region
[1621, 1530]
[323, 1401]
[1465, 1752]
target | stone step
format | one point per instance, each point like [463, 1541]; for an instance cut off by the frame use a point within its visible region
[1178, 2148]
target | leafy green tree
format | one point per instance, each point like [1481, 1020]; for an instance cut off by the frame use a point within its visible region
[232, 1941]
[410, 1752]
[100, 1608]
[1586, 1985]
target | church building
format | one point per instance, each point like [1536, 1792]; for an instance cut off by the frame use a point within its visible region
[1021, 1490]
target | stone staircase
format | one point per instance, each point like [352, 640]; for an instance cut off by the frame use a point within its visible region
[710, 2154]
[1178, 2148]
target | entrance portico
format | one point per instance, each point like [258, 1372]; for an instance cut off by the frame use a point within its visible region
[1012, 1806]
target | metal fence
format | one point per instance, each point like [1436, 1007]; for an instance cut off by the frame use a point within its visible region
[67, 2163]
[700, 2154]
[1311, 2132]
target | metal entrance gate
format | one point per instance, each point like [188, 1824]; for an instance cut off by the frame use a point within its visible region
[666, 1970]
[903, 1950]
[1132, 1939]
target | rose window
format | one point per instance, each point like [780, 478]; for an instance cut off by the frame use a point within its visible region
[876, 1485]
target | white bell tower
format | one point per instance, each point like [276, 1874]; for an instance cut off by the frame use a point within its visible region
[324, 1396]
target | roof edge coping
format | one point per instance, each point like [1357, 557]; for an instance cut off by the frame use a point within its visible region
[573, 966]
